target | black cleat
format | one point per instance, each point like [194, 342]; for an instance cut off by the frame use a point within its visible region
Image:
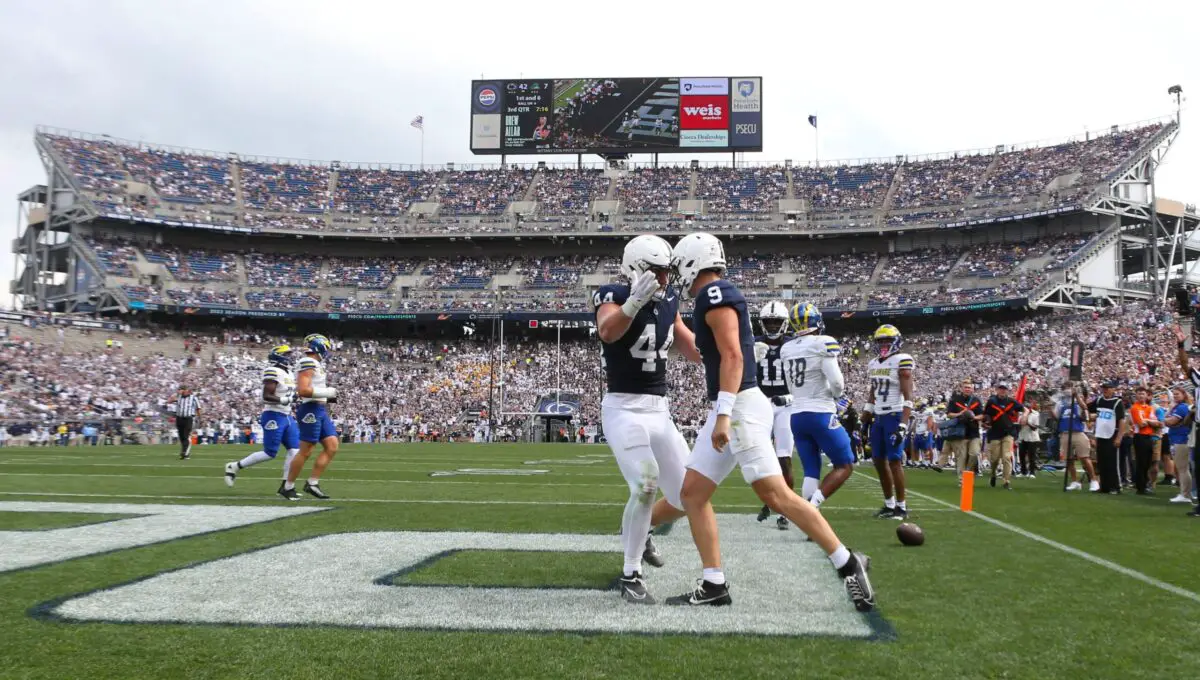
[1195, 512]
[885, 513]
[993, 481]
[781, 524]
[858, 584]
[899, 513]
[651, 555]
[764, 513]
[315, 491]
[633, 589]
[705, 593]
[289, 494]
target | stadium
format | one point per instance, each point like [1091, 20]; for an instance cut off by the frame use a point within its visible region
[471, 526]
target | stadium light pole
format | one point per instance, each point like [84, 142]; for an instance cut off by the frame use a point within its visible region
[1177, 92]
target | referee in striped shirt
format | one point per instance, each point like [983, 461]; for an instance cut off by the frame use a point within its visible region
[187, 409]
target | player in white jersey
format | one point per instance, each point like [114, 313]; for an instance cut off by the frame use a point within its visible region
[815, 381]
[889, 407]
[315, 423]
[924, 429]
[773, 318]
[279, 427]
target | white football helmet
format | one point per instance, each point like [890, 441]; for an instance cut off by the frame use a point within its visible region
[693, 254]
[644, 253]
[773, 318]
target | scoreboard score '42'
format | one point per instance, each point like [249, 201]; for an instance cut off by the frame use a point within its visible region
[616, 115]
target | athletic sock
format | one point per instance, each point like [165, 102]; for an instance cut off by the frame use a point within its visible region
[714, 575]
[890, 502]
[903, 505]
[817, 498]
[635, 527]
[287, 461]
[288, 486]
[840, 556]
[631, 569]
[253, 459]
[809, 487]
[314, 481]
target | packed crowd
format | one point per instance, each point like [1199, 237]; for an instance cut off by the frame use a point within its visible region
[374, 273]
[282, 299]
[824, 271]
[321, 197]
[194, 265]
[290, 271]
[204, 297]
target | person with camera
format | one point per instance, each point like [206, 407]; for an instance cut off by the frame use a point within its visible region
[1074, 444]
[965, 411]
[1108, 412]
[1028, 438]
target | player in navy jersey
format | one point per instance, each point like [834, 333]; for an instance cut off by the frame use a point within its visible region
[773, 318]
[637, 324]
[738, 429]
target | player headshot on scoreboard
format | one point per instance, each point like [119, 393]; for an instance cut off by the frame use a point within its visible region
[541, 133]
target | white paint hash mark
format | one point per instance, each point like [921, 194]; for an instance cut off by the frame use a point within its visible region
[780, 585]
[154, 524]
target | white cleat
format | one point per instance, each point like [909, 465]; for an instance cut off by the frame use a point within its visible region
[1180, 498]
[231, 470]
[1074, 486]
[1093, 485]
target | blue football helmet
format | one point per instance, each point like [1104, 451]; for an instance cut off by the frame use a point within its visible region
[281, 356]
[319, 345]
[806, 319]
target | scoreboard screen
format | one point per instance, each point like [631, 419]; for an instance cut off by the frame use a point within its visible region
[616, 115]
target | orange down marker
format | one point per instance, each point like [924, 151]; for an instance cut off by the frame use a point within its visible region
[968, 491]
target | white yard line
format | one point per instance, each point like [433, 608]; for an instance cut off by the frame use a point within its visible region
[1100, 561]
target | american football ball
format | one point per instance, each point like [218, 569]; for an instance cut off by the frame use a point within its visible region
[910, 534]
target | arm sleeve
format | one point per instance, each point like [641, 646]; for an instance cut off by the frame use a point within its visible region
[833, 376]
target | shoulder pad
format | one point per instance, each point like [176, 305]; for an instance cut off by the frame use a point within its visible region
[832, 348]
[615, 293]
[307, 364]
[270, 373]
[904, 361]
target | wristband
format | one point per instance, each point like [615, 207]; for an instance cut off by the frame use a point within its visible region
[725, 403]
[868, 407]
[324, 392]
[906, 404]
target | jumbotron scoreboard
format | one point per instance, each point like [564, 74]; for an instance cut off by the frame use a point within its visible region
[616, 115]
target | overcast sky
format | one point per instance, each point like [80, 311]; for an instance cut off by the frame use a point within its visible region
[341, 80]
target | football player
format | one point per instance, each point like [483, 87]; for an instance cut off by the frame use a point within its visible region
[816, 383]
[774, 320]
[889, 407]
[738, 429]
[315, 423]
[278, 425]
[924, 428]
[637, 324]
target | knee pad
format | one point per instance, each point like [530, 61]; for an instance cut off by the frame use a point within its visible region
[811, 484]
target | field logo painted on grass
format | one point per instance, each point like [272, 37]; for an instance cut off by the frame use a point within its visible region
[780, 586]
[150, 524]
[514, 472]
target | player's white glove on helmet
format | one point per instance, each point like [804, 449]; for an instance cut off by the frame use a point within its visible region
[760, 351]
[641, 290]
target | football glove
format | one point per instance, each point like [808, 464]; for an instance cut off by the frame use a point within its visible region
[760, 351]
[641, 290]
[898, 436]
[782, 400]
[285, 400]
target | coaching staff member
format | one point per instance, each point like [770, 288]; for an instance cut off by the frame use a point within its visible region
[187, 409]
[964, 407]
[1109, 413]
[1000, 416]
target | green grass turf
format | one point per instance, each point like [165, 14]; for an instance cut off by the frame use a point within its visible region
[977, 601]
[517, 568]
[39, 521]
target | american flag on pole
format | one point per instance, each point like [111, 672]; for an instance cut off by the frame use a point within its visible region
[418, 122]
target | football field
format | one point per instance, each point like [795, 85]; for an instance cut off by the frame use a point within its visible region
[497, 561]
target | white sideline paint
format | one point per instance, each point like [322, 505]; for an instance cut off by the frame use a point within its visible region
[154, 524]
[780, 585]
[416, 501]
[1099, 561]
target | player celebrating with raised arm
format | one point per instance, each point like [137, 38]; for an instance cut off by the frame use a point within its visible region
[815, 380]
[890, 405]
[278, 425]
[738, 430]
[637, 324]
[315, 424]
[774, 320]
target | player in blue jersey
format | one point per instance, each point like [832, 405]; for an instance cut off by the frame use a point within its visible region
[738, 429]
[637, 323]
[889, 407]
[773, 317]
[816, 383]
[313, 416]
[279, 427]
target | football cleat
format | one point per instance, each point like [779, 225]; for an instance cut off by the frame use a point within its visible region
[289, 494]
[705, 593]
[899, 513]
[315, 491]
[633, 589]
[885, 513]
[858, 584]
[781, 524]
[230, 473]
[764, 513]
[651, 555]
